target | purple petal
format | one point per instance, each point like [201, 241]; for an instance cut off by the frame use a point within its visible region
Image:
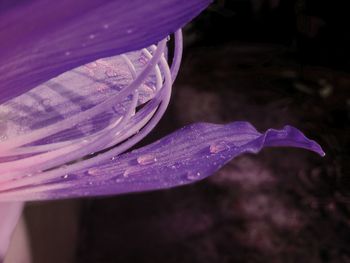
[41, 39]
[9, 215]
[188, 155]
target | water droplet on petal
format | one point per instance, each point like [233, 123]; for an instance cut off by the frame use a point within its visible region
[126, 172]
[46, 102]
[282, 134]
[218, 147]
[93, 171]
[102, 88]
[111, 73]
[193, 175]
[146, 159]
[65, 176]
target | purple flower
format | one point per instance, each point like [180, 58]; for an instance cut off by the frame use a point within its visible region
[82, 82]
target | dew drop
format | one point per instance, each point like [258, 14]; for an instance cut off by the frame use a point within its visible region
[65, 176]
[102, 88]
[46, 102]
[93, 171]
[126, 173]
[218, 147]
[193, 175]
[146, 159]
[282, 134]
[111, 73]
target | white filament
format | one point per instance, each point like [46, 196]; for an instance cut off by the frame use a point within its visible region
[126, 131]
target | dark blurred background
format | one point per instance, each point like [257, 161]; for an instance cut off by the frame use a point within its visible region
[270, 62]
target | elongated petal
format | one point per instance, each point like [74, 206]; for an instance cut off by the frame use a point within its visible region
[9, 215]
[41, 39]
[188, 155]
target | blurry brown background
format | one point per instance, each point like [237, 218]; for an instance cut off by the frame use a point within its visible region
[272, 63]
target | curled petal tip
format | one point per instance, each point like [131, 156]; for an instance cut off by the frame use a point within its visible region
[292, 137]
[318, 149]
[313, 145]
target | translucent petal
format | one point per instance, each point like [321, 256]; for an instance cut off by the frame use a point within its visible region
[42, 39]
